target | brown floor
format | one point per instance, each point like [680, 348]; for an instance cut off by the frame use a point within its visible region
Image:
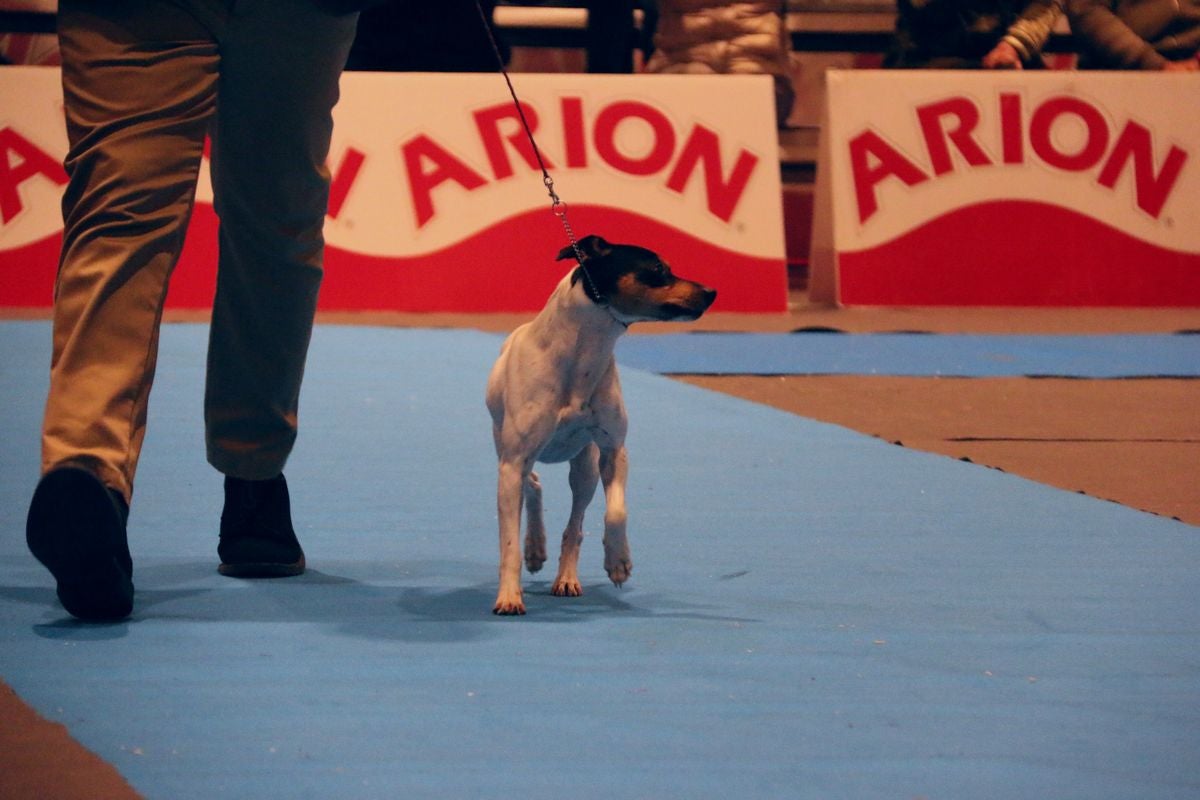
[1136, 442]
[40, 761]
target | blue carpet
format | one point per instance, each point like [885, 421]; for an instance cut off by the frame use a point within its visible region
[1125, 356]
[813, 613]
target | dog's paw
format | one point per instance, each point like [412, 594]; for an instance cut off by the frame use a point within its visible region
[564, 587]
[618, 569]
[509, 605]
[535, 555]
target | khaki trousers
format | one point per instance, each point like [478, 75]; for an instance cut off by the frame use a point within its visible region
[143, 82]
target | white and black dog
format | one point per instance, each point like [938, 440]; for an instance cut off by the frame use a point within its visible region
[554, 396]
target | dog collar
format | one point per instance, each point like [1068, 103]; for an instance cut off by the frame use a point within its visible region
[589, 288]
[591, 293]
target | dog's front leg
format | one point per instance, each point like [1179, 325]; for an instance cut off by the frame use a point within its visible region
[614, 469]
[584, 476]
[508, 506]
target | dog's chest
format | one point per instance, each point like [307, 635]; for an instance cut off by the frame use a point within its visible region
[577, 424]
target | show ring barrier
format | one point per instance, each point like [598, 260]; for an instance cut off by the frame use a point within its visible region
[1008, 189]
[441, 207]
[934, 188]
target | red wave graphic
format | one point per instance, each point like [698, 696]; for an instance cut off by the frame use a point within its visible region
[509, 266]
[27, 273]
[1019, 253]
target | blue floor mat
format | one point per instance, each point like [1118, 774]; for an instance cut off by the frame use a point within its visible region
[1124, 356]
[813, 613]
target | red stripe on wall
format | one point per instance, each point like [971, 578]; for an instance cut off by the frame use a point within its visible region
[1019, 253]
[510, 266]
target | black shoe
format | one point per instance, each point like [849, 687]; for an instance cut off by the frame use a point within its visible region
[76, 528]
[257, 539]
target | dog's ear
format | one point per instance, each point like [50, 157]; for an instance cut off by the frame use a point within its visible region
[590, 246]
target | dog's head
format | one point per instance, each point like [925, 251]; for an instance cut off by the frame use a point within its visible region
[635, 283]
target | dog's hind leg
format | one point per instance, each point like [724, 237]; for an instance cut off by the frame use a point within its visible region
[535, 528]
[584, 476]
[614, 469]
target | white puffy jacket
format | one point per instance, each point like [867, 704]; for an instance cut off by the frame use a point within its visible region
[723, 37]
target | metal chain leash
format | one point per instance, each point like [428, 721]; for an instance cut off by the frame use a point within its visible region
[557, 205]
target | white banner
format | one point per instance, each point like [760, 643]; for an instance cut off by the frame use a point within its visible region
[432, 170]
[1012, 188]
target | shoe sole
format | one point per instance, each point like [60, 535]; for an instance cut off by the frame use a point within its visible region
[75, 529]
[264, 570]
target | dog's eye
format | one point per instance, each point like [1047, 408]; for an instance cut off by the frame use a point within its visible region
[657, 275]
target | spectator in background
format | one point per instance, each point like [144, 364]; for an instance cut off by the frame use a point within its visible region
[36, 49]
[971, 34]
[403, 36]
[645, 35]
[1137, 34]
[726, 37]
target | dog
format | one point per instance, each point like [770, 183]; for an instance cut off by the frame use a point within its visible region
[554, 396]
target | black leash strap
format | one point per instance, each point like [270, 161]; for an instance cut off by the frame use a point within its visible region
[557, 205]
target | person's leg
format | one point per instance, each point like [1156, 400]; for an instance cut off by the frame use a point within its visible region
[138, 84]
[281, 60]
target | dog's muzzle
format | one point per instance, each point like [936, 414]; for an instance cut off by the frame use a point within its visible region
[694, 306]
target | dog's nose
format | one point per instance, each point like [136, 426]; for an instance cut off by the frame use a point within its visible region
[709, 296]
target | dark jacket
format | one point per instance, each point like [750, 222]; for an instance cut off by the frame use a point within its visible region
[959, 33]
[1134, 34]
